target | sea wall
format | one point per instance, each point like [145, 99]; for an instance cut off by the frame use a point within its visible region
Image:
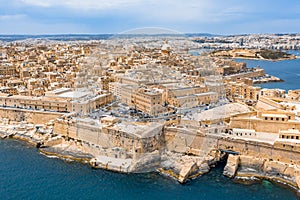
[108, 137]
[205, 143]
[30, 116]
[276, 152]
[253, 74]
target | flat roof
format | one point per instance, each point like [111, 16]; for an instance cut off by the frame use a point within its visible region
[220, 112]
[205, 93]
[3, 94]
[244, 130]
[61, 90]
[140, 130]
[274, 115]
[198, 94]
[74, 94]
[290, 131]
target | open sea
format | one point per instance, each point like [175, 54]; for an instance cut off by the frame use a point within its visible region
[26, 174]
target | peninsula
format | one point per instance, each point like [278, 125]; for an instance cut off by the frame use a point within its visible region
[259, 54]
[140, 104]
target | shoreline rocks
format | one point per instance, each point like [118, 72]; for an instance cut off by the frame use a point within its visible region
[231, 166]
[251, 167]
[271, 79]
[65, 156]
[185, 167]
[252, 177]
[187, 170]
[66, 152]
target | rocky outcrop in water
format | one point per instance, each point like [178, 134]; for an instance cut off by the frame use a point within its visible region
[186, 170]
[231, 166]
[184, 167]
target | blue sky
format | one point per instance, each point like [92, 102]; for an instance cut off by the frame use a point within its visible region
[114, 16]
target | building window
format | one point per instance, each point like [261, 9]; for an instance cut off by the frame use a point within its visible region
[282, 119]
[266, 118]
[272, 118]
[277, 118]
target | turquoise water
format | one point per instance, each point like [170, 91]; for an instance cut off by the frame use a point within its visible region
[287, 70]
[26, 174]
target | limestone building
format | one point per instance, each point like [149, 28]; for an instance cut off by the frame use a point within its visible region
[271, 121]
[240, 90]
[148, 101]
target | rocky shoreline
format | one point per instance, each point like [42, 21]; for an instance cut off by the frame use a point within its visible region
[265, 59]
[246, 167]
[186, 167]
[39, 141]
[66, 155]
[176, 165]
[240, 168]
[267, 79]
[250, 176]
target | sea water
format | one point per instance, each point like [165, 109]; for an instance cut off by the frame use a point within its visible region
[287, 70]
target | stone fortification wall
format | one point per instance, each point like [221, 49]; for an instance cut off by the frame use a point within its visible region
[194, 142]
[275, 152]
[109, 137]
[30, 116]
[257, 73]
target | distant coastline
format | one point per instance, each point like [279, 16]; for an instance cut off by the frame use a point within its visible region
[250, 54]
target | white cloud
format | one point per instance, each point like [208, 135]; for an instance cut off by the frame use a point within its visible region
[227, 14]
[162, 10]
[164, 7]
[28, 26]
[116, 15]
[83, 4]
[46, 3]
[12, 17]
[202, 11]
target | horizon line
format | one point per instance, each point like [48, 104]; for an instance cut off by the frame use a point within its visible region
[124, 33]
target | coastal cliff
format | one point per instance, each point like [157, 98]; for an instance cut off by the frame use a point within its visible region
[253, 167]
